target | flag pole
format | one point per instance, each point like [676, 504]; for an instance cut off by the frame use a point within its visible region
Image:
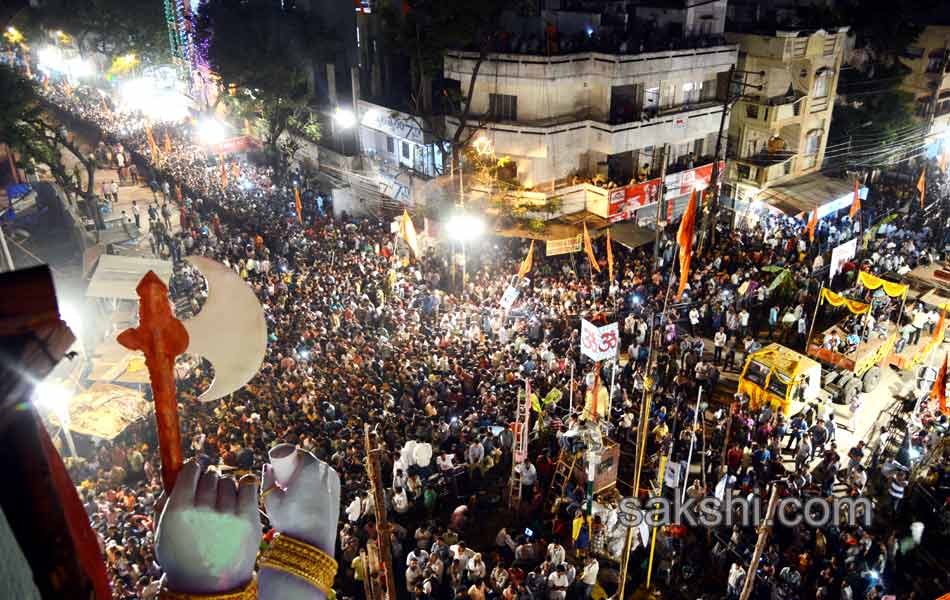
[692, 443]
[814, 317]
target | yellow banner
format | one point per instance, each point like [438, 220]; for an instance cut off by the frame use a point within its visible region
[872, 282]
[857, 308]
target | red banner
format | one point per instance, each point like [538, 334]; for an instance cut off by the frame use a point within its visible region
[232, 145]
[625, 201]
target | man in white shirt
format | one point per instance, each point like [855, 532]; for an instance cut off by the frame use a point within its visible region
[556, 553]
[589, 577]
[558, 584]
[693, 320]
[719, 342]
[529, 475]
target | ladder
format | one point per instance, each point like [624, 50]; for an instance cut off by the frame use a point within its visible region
[519, 445]
[562, 475]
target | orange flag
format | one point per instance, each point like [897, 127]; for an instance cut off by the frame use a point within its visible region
[938, 331]
[298, 204]
[526, 263]
[610, 257]
[812, 224]
[235, 170]
[942, 160]
[224, 175]
[407, 231]
[168, 144]
[922, 185]
[939, 390]
[685, 239]
[178, 192]
[856, 203]
[589, 249]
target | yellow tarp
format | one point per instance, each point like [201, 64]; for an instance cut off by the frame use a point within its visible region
[872, 282]
[858, 308]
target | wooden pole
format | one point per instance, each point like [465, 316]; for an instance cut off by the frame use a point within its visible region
[653, 536]
[765, 529]
[692, 443]
[725, 441]
[382, 523]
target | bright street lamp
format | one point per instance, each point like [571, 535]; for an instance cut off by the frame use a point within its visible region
[55, 399]
[211, 131]
[344, 118]
[464, 227]
[483, 146]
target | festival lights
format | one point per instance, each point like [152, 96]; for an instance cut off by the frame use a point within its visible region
[155, 102]
[464, 227]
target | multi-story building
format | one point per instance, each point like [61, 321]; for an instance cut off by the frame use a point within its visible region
[778, 130]
[929, 79]
[577, 107]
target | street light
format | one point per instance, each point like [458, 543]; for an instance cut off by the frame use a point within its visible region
[464, 228]
[55, 399]
[344, 119]
[210, 131]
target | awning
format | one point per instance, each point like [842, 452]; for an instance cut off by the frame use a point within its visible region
[118, 276]
[803, 194]
[104, 410]
[632, 235]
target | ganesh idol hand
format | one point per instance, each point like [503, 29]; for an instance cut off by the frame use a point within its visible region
[302, 496]
[209, 532]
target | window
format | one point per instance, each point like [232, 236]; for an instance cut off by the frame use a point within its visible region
[778, 384]
[821, 83]
[787, 167]
[757, 373]
[752, 111]
[913, 52]
[503, 107]
[405, 150]
[390, 145]
[812, 142]
[935, 61]
[692, 92]
[744, 172]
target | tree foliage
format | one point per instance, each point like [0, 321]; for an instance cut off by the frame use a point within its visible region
[110, 27]
[27, 127]
[424, 32]
[266, 53]
[886, 28]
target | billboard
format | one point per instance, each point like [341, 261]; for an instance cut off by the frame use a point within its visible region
[625, 201]
[599, 343]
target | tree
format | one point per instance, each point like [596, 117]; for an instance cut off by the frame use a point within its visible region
[265, 53]
[883, 26]
[27, 127]
[424, 31]
[112, 28]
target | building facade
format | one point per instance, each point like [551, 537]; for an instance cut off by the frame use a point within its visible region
[929, 78]
[595, 115]
[778, 130]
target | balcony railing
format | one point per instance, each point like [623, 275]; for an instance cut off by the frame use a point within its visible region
[767, 159]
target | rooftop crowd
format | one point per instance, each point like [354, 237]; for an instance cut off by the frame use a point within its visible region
[361, 333]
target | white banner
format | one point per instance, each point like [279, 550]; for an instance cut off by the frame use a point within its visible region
[563, 246]
[840, 255]
[509, 297]
[599, 343]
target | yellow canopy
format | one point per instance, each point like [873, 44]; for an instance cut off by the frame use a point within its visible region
[872, 282]
[858, 308]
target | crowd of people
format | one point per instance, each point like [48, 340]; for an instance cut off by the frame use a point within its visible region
[363, 334]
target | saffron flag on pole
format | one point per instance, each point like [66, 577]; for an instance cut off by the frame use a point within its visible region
[224, 175]
[939, 390]
[812, 224]
[407, 231]
[298, 204]
[526, 263]
[610, 257]
[589, 249]
[168, 143]
[942, 160]
[856, 203]
[685, 239]
[938, 331]
[922, 186]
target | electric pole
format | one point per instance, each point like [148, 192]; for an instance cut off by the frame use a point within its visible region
[660, 202]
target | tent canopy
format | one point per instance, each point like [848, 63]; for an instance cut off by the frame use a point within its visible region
[802, 194]
[632, 235]
[117, 276]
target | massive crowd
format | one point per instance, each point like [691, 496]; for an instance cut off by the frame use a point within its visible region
[358, 336]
